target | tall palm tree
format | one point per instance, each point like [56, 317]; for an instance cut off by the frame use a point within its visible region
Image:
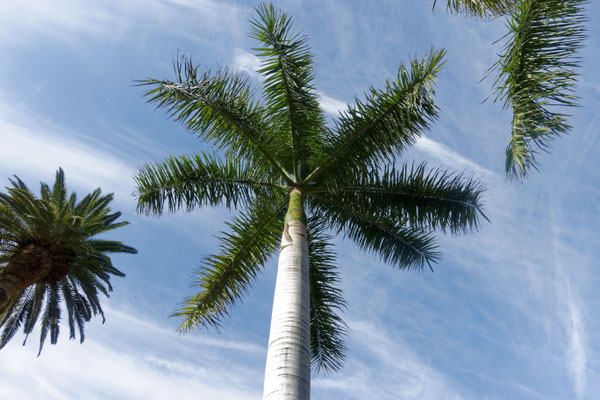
[293, 178]
[49, 252]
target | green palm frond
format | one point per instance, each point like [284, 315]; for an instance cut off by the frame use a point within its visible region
[536, 72]
[290, 97]
[225, 277]
[13, 317]
[51, 317]
[480, 8]
[220, 108]
[393, 242]
[189, 182]
[64, 231]
[327, 329]
[431, 200]
[386, 123]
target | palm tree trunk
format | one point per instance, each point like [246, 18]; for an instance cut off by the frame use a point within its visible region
[25, 268]
[287, 373]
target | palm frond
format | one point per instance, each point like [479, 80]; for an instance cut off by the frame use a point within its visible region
[480, 8]
[219, 108]
[290, 97]
[189, 182]
[537, 71]
[51, 316]
[386, 123]
[226, 276]
[13, 317]
[327, 329]
[424, 199]
[403, 246]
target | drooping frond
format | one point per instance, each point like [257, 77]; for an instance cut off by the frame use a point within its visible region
[480, 8]
[290, 97]
[386, 123]
[536, 72]
[14, 315]
[392, 241]
[200, 180]
[327, 329]
[425, 199]
[219, 107]
[226, 276]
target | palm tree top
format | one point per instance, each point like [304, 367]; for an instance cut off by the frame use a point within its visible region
[70, 262]
[283, 162]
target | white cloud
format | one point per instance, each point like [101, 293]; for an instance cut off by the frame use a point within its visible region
[246, 62]
[24, 20]
[34, 153]
[331, 106]
[447, 156]
[142, 361]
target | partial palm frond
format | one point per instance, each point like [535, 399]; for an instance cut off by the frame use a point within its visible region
[327, 329]
[386, 123]
[537, 71]
[480, 8]
[226, 276]
[14, 316]
[394, 242]
[51, 317]
[188, 182]
[432, 199]
[219, 107]
[290, 97]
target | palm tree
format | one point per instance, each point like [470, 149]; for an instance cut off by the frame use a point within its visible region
[49, 253]
[536, 72]
[294, 178]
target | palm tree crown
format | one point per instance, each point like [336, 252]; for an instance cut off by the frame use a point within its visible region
[281, 162]
[49, 253]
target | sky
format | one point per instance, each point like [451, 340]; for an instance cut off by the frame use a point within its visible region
[510, 312]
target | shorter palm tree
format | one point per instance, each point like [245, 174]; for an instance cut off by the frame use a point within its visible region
[49, 253]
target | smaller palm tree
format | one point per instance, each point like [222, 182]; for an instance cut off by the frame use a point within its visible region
[49, 253]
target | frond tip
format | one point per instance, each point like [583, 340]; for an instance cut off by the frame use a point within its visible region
[536, 72]
[479, 8]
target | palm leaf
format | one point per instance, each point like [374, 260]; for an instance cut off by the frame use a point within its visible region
[290, 97]
[220, 108]
[226, 276]
[536, 73]
[480, 8]
[189, 182]
[426, 199]
[404, 246]
[327, 329]
[386, 123]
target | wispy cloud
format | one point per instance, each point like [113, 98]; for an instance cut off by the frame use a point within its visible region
[443, 153]
[141, 361]
[46, 152]
[23, 20]
[246, 62]
[393, 371]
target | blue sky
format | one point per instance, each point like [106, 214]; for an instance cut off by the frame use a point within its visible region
[509, 313]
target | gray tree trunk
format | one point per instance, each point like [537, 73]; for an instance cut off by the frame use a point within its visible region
[287, 373]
